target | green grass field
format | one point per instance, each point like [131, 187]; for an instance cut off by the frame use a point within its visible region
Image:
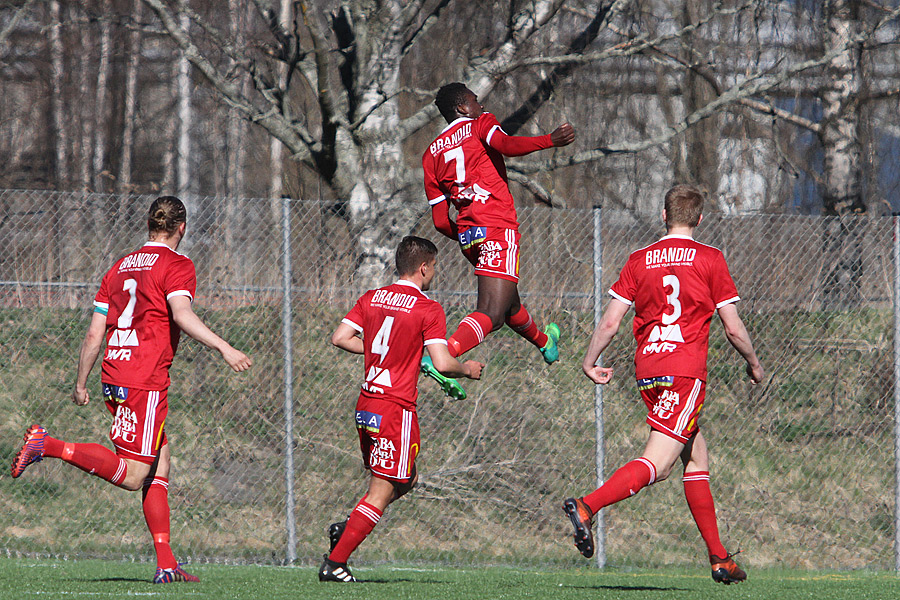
[26, 578]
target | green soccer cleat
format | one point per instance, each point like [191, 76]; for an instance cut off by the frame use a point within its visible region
[450, 386]
[550, 351]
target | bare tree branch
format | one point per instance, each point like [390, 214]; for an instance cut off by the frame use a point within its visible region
[752, 86]
[539, 191]
[271, 120]
[14, 22]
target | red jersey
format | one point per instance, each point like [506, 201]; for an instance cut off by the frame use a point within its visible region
[464, 165]
[675, 286]
[396, 323]
[141, 337]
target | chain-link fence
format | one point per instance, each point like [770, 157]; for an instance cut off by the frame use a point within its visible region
[802, 466]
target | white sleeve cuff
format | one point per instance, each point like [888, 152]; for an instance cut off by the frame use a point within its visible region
[438, 200]
[620, 298]
[436, 341]
[180, 293]
[729, 301]
[352, 324]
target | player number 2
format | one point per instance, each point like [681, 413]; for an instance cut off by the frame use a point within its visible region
[457, 155]
[127, 315]
[380, 343]
[672, 299]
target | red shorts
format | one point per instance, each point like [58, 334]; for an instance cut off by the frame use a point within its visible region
[493, 250]
[139, 416]
[388, 438]
[674, 404]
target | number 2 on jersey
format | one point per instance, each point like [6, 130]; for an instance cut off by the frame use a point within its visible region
[380, 342]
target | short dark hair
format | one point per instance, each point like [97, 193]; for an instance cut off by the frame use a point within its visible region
[412, 252]
[684, 205]
[166, 214]
[449, 97]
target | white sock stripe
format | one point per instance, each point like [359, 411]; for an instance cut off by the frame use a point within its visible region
[368, 513]
[651, 467]
[479, 332]
[695, 477]
[120, 471]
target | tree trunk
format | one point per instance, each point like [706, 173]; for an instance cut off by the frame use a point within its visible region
[840, 117]
[185, 117]
[101, 118]
[130, 108]
[60, 119]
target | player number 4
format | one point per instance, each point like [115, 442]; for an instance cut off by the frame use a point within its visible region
[380, 342]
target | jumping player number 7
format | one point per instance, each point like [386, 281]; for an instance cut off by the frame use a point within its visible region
[460, 158]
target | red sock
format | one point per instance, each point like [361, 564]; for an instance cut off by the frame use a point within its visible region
[156, 513]
[469, 334]
[700, 501]
[524, 325]
[624, 483]
[359, 525]
[92, 458]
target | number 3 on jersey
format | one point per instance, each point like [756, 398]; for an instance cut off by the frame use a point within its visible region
[670, 330]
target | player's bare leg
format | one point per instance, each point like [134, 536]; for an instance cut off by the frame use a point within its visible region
[695, 457]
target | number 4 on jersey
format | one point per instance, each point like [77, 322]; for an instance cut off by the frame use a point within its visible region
[380, 346]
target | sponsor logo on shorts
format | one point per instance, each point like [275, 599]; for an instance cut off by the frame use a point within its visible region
[472, 236]
[652, 382]
[382, 455]
[490, 255]
[124, 426]
[368, 421]
[666, 404]
[115, 393]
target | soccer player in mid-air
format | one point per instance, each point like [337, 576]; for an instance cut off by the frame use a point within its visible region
[675, 286]
[391, 327]
[464, 167]
[143, 304]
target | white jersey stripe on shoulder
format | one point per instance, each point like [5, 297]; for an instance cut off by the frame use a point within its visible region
[491, 134]
[620, 298]
[726, 302]
[352, 324]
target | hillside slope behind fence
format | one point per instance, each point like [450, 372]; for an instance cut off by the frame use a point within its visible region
[802, 466]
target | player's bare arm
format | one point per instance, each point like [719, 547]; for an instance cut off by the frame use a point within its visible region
[449, 366]
[563, 135]
[737, 334]
[190, 323]
[347, 338]
[90, 350]
[603, 334]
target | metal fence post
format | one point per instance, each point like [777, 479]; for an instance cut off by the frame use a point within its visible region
[599, 452]
[287, 334]
[896, 253]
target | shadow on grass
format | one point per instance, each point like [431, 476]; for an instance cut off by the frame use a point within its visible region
[630, 588]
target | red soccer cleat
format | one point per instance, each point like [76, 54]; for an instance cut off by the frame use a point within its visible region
[581, 517]
[174, 575]
[31, 451]
[725, 570]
